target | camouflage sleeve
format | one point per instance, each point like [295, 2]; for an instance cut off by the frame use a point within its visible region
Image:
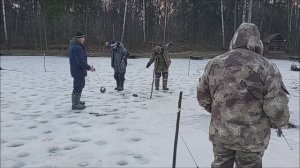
[203, 92]
[275, 99]
[152, 58]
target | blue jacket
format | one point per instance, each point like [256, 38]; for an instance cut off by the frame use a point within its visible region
[78, 59]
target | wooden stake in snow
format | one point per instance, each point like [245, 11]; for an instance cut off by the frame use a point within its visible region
[177, 130]
[45, 62]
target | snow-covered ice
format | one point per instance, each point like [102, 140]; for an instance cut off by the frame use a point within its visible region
[39, 129]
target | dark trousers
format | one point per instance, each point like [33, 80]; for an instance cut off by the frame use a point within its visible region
[78, 84]
[225, 158]
[119, 77]
[164, 74]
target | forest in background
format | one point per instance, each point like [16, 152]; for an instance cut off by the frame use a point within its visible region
[44, 25]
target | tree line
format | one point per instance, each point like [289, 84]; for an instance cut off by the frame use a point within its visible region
[193, 24]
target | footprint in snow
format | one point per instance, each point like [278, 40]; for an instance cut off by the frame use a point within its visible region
[121, 129]
[32, 127]
[79, 139]
[16, 144]
[122, 163]
[70, 147]
[101, 142]
[53, 149]
[23, 154]
[83, 164]
[135, 139]
[47, 132]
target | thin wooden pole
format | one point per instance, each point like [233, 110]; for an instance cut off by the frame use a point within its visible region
[177, 130]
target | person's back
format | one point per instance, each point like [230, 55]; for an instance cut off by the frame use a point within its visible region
[245, 95]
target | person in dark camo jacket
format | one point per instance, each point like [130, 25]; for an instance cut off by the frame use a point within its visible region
[245, 95]
[162, 63]
[118, 62]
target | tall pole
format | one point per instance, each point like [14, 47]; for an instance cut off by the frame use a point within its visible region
[124, 21]
[166, 15]
[4, 23]
[177, 130]
[144, 20]
[222, 18]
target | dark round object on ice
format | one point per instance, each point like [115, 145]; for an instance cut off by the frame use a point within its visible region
[102, 89]
[134, 95]
[294, 68]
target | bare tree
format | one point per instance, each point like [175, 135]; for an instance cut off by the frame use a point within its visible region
[250, 11]
[4, 22]
[235, 10]
[244, 11]
[222, 18]
[45, 29]
[144, 20]
[124, 21]
[166, 15]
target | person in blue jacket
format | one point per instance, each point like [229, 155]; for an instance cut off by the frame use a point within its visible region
[78, 68]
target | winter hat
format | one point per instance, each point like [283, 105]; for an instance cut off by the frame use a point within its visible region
[79, 34]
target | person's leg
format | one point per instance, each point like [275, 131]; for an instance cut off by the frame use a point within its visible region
[224, 157]
[121, 79]
[116, 76]
[249, 159]
[157, 78]
[83, 85]
[165, 75]
[78, 84]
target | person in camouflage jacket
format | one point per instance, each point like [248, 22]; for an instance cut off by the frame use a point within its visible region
[245, 95]
[162, 63]
[118, 62]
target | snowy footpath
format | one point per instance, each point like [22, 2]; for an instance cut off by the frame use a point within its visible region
[117, 129]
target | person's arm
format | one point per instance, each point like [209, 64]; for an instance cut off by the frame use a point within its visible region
[79, 57]
[203, 91]
[275, 103]
[151, 60]
[168, 46]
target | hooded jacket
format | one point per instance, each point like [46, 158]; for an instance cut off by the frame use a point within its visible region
[118, 57]
[157, 51]
[244, 93]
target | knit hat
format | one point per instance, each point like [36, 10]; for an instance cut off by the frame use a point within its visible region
[79, 34]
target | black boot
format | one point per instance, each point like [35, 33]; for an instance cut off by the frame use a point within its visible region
[156, 83]
[165, 82]
[121, 86]
[81, 102]
[118, 84]
[75, 102]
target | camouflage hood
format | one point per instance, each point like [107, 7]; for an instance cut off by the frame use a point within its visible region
[247, 36]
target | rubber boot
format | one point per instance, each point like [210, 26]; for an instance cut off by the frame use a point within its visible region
[156, 83]
[81, 102]
[121, 87]
[75, 102]
[118, 84]
[165, 83]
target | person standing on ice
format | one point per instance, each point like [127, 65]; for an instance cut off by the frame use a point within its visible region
[245, 95]
[78, 68]
[162, 63]
[118, 62]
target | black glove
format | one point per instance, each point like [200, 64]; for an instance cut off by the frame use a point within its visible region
[148, 65]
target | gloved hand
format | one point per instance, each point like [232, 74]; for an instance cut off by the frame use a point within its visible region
[92, 69]
[148, 65]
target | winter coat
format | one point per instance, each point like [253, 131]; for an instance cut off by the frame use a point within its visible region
[119, 57]
[78, 59]
[157, 53]
[244, 93]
